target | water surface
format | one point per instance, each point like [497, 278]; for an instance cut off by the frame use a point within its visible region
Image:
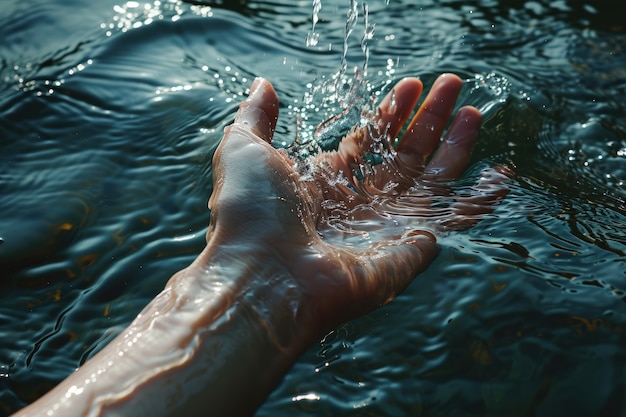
[110, 113]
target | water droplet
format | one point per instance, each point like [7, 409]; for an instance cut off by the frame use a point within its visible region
[392, 102]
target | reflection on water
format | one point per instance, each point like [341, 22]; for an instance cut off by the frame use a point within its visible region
[109, 116]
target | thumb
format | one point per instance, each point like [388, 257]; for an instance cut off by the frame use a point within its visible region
[259, 112]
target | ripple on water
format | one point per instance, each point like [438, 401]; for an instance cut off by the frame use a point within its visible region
[110, 112]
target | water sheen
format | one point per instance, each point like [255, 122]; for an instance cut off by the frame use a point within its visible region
[110, 113]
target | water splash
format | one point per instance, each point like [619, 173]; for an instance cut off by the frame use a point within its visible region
[375, 201]
[497, 87]
[351, 20]
[330, 109]
[335, 103]
[313, 37]
[368, 34]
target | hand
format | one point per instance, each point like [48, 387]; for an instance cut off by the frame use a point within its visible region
[293, 250]
[351, 235]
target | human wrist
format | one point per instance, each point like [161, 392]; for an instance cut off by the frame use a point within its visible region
[258, 332]
[253, 278]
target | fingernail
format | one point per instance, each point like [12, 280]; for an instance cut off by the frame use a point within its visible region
[255, 87]
[465, 127]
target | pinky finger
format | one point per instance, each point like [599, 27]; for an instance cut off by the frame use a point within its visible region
[471, 207]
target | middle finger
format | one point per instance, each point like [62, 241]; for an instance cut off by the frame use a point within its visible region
[424, 132]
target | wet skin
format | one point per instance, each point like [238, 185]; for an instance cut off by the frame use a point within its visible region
[270, 282]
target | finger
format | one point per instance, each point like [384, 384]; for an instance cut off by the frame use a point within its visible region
[259, 112]
[391, 115]
[397, 264]
[397, 106]
[452, 157]
[424, 132]
[480, 200]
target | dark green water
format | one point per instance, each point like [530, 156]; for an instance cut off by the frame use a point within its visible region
[109, 116]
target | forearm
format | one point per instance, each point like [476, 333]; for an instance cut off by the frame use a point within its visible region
[216, 341]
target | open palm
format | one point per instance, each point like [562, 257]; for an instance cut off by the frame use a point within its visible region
[351, 234]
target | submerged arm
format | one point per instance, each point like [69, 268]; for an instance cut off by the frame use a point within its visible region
[208, 344]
